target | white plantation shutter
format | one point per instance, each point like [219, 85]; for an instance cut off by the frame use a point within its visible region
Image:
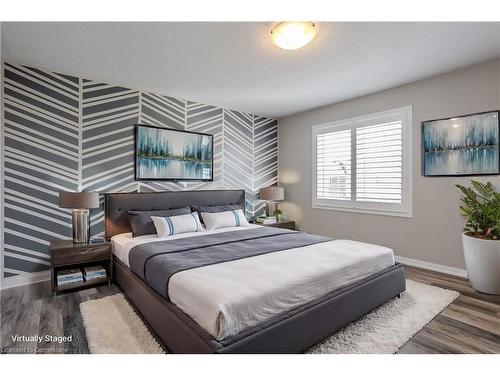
[379, 172]
[363, 164]
[333, 155]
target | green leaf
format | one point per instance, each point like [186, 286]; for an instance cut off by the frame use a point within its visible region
[481, 208]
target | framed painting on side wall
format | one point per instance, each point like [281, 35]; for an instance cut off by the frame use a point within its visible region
[461, 146]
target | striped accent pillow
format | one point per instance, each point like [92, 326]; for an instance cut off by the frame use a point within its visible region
[170, 225]
[226, 219]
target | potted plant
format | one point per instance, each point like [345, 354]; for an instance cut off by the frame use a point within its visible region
[481, 238]
[279, 214]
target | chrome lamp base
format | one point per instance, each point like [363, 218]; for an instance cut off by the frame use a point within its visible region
[81, 226]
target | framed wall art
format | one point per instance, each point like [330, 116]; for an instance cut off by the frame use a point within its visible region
[173, 155]
[461, 146]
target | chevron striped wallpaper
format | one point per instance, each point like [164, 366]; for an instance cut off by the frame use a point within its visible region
[69, 133]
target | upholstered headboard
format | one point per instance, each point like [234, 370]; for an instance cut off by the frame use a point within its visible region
[116, 204]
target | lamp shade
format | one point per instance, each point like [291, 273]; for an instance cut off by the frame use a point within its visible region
[272, 193]
[78, 200]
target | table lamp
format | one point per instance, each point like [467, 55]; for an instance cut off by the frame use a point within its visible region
[272, 194]
[80, 203]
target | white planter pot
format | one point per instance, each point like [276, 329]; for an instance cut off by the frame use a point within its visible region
[482, 260]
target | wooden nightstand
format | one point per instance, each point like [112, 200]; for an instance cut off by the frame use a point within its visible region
[286, 224]
[64, 254]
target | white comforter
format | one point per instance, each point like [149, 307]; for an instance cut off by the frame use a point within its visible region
[227, 298]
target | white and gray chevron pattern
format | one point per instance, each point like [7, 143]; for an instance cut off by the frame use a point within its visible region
[265, 161]
[41, 130]
[69, 133]
[238, 153]
[109, 114]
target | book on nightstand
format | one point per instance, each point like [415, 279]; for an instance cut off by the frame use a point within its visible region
[97, 240]
[65, 277]
[93, 273]
[266, 220]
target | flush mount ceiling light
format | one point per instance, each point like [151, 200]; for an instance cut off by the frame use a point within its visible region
[293, 35]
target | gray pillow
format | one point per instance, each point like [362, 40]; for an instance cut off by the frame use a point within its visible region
[212, 209]
[141, 223]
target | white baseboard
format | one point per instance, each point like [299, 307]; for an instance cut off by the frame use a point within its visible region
[25, 279]
[432, 266]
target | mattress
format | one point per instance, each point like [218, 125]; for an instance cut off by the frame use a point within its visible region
[227, 298]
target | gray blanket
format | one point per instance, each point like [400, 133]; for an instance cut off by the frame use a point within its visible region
[156, 262]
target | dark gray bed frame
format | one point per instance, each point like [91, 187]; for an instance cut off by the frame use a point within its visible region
[291, 332]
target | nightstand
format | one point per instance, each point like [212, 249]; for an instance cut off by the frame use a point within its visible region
[286, 224]
[64, 254]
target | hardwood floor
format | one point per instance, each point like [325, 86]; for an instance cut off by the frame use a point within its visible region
[32, 310]
[471, 324]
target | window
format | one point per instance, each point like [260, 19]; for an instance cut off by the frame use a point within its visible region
[363, 164]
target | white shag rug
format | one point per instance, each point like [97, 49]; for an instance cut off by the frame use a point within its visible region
[390, 326]
[112, 326]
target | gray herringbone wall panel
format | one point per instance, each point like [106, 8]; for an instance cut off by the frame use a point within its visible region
[109, 114]
[265, 166]
[69, 133]
[163, 111]
[41, 159]
[238, 153]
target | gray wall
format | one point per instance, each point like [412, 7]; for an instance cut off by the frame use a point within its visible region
[433, 234]
[63, 132]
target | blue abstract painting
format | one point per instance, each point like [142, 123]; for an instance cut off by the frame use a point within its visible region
[165, 154]
[466, 145]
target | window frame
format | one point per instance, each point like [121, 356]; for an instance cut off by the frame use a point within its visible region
[405, 209]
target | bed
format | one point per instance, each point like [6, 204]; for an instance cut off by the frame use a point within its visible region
[281, 292]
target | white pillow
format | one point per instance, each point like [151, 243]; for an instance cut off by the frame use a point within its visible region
[225, 219]
[168, 226]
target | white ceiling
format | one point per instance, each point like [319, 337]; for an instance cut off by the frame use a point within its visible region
[235, 65]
